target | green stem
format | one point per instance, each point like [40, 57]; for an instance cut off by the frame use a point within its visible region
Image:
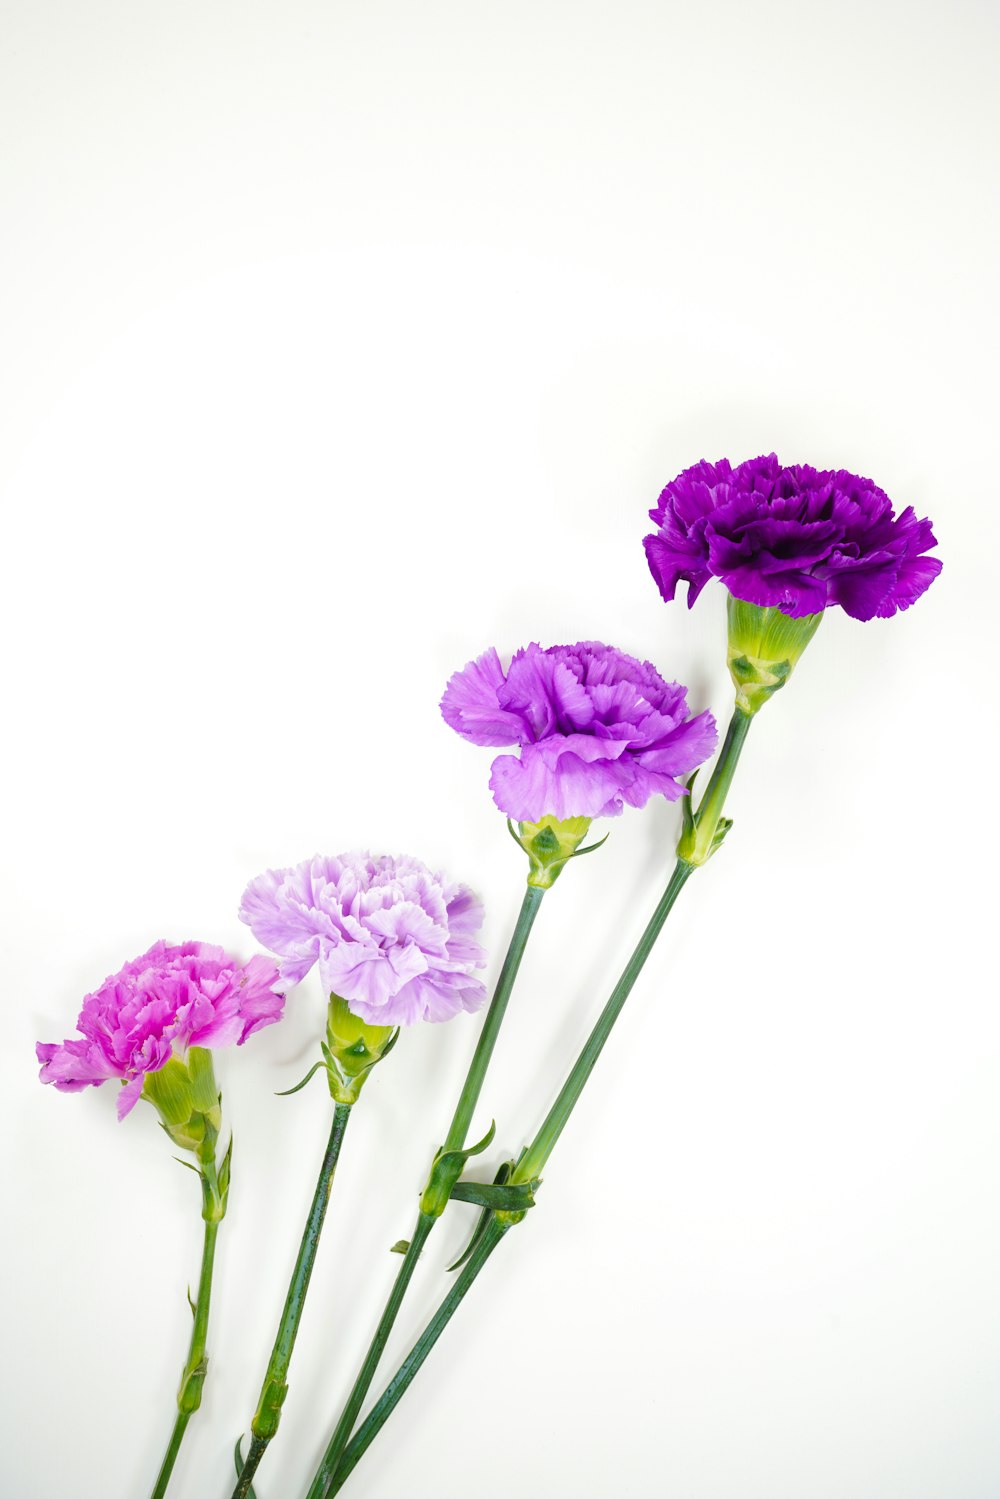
[193, 1377]
[275, 1386]
[537, 1154]
[455, 1140]
[407, 1371]
[714, 799]
[476, 1075]
[698, 842]
[532, 1162]
[362, 1384]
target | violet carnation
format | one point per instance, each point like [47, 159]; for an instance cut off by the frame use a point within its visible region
[595, 728]
[167, 1000]
[797, 538]
[392, 939]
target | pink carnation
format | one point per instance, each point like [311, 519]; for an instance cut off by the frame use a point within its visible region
[157, 1005]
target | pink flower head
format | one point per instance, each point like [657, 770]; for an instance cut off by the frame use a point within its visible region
[394, 940]
[157, 1005]
[594, 729]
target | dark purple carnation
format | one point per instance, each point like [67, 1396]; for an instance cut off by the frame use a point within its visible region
[798, 538]
[595, 729]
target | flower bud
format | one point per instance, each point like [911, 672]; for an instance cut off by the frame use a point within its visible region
[352, 1049]
[764, 645]
[550, 844]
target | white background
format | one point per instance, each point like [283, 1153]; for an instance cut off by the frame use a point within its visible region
[340, 341]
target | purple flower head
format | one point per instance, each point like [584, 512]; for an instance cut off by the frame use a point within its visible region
[797, 538]
[594, 728]
[393, 939]
[167, 1000]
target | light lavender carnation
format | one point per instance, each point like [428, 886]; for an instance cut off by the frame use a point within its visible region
[393, 939]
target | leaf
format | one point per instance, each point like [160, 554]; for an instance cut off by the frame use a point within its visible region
[500, 1180]
[238, 1460]
[499, 1199]
[287, 1092]
[591, 848]
[400, 1246]
[687, 814]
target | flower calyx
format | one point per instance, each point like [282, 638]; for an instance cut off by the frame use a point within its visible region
[550, 844]
[351, 1049]
[186, 1096]
[764, 646]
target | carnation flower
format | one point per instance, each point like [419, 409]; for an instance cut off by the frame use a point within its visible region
[595, 729]
[797, 538]
[392, 939]
[155, 1007]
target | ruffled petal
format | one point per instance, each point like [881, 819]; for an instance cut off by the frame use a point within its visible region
[470, 705]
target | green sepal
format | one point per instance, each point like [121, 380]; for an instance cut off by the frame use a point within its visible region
[185, 1095]
[446, 1168]
[550, 844]
[204, 1089]
[764, 646]
[238, 1460]
[170, 1092]
[351, 1049]
[348, 1065]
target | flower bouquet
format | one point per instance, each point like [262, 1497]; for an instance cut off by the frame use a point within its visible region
[582, 731]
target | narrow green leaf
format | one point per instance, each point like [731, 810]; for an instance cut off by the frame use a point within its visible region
[516, 1199]
[591, 848]
[482, 1222]
[287, 1092]
[687, 804]
[238, 1460]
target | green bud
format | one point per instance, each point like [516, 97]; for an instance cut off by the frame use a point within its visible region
[550, 844]
[764, 646]
[352, 1049]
